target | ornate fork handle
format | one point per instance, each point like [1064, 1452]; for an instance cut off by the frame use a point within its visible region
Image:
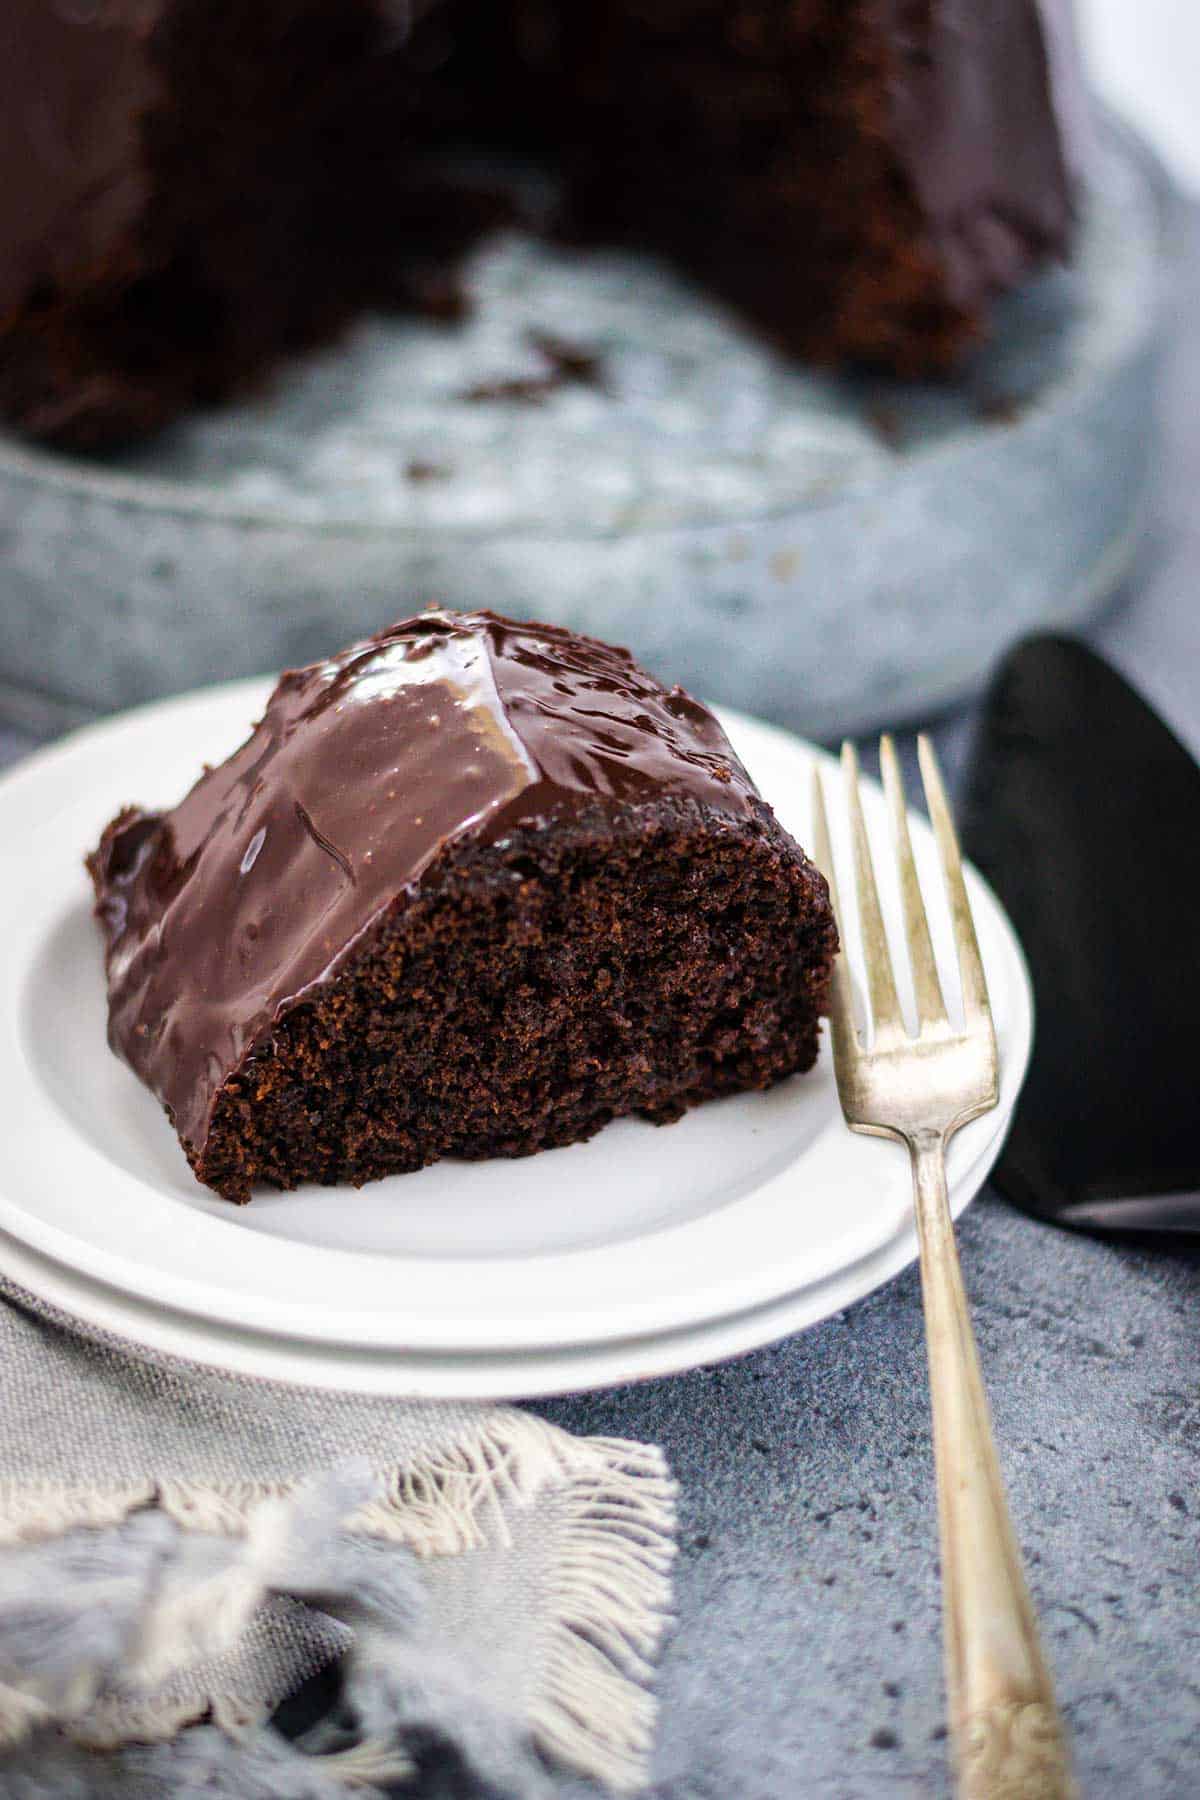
[1007, 1732]
[1014, 1752]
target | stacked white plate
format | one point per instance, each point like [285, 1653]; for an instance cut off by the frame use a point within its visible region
[645, 1251]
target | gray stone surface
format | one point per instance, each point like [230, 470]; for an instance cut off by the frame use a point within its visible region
[806, 1656]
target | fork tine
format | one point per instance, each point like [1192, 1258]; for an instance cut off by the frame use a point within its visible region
[886, 1020]
[846, 1046]
[931, 1008]
[970, 963]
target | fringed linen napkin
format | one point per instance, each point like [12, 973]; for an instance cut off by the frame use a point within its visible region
[180, 1549]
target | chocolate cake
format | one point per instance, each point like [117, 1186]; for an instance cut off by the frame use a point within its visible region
[471, 888]
[190, 190]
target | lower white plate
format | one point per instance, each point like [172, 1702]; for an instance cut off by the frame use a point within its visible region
[644, 1250]
[472, 1376]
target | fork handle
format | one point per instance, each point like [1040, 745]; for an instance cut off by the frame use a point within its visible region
[1008, 1737]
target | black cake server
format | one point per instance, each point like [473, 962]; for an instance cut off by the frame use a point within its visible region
[1083, 811]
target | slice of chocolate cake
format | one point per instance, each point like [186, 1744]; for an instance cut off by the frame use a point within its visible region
[471, 889]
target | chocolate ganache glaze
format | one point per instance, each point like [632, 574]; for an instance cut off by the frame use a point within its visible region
[990, 123]
[75, 80]
[223, 912]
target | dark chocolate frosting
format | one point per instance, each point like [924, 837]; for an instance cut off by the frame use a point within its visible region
[224, 911]
[77, 79]
[987, 115]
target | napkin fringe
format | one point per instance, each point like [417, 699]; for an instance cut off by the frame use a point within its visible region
[454, 1500]
[610, 1601]
[610, 1596]
[21, 1713]
[227, 1509]
[32, 1511]
[440, 1505]
[112, 1723]
[613, 1520]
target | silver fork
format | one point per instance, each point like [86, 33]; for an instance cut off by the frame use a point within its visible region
[1008, 1737]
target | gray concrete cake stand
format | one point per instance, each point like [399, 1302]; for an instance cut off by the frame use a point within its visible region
[827, 552]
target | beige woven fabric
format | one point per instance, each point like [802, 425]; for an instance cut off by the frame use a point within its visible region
[482, 1568]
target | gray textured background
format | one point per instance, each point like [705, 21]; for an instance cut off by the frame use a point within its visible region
[806, 1656]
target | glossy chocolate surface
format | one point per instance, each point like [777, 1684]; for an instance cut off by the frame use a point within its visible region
[75, 81]
[983, 104]
[222, 912]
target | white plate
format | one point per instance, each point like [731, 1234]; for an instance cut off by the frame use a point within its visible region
[472, 1376]
[642, 1234]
